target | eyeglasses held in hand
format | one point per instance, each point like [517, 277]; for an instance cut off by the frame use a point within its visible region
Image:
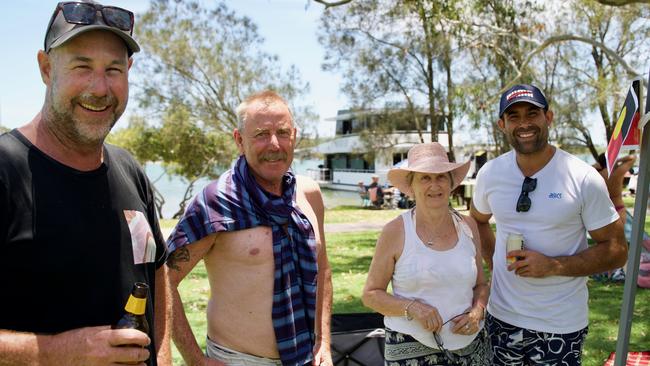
[452, 358]
[523, 203]
[86, 14]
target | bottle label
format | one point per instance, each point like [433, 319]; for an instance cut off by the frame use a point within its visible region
[135, 305]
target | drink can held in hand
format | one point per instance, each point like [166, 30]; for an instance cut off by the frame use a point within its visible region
[515, 241]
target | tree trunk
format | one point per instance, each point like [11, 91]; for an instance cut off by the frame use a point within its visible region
[429, 72]
[597, 55]
[450, 102]
[159, 201]
[186, 197]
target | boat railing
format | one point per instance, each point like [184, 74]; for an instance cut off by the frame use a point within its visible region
[337, 175]
[320, 174]
[355, 170]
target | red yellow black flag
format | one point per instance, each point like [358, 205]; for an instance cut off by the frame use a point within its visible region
[626, 133]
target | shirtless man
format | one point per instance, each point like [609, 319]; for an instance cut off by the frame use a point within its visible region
[259, 230]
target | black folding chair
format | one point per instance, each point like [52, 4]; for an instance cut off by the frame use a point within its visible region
[358, 339]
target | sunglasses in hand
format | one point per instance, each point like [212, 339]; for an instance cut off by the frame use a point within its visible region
[452, 358]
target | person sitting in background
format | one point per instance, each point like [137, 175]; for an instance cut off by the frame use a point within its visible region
[431, 255]
[363, 193]
[375, 193]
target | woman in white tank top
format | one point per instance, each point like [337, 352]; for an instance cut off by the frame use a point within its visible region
[430, 255]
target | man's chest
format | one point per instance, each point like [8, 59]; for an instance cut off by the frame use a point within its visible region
[256, 245]
[249, 246]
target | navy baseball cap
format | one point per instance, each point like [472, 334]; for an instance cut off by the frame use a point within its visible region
[522, 93]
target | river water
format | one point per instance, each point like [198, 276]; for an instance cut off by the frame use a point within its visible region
[173, 188]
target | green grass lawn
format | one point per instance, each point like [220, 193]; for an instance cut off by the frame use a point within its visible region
[341, 214]
[167, 223]
[195, 292]
[350, 255]
[346, 214]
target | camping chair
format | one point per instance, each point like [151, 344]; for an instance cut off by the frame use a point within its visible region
[357, 339]
[365, 200]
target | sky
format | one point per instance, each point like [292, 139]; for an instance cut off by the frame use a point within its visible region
[288, 26]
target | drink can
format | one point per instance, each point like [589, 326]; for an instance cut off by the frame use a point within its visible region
[515, 241]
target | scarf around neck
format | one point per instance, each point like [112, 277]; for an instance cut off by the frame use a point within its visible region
[237, 202]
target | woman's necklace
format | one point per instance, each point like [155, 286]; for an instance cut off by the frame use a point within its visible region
[439, 238]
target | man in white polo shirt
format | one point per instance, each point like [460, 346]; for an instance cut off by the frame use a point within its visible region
[538, 311]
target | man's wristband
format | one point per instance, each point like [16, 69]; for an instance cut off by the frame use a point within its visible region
[406, 311]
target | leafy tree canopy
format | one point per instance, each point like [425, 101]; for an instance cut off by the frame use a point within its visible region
[197, 65]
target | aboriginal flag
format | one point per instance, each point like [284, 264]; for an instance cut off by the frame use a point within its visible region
[626, 133]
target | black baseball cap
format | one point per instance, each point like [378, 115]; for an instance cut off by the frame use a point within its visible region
[60, 30]
[522, 93]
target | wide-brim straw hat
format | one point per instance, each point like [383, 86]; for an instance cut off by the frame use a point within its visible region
[427, 158]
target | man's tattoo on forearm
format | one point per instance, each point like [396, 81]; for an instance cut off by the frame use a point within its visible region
[179, 255]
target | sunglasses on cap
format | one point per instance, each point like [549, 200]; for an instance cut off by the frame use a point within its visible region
[523, 203]
[84, 13]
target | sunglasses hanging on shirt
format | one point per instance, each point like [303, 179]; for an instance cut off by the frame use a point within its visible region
[523, 203]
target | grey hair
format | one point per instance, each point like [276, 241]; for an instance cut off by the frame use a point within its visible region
[267, 97]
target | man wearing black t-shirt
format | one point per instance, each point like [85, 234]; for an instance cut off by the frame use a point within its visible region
[77, 220]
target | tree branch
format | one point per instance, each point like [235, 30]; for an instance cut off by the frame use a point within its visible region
[408, 100]
[564, 38]
[406, 50]
[621, 2]
[332, 4]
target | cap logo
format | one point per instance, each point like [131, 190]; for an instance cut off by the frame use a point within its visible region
[519, 93]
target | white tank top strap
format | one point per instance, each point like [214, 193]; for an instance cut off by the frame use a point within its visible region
[409, 231]
[460, 223]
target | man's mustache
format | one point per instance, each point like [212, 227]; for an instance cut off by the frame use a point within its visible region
[274, 156]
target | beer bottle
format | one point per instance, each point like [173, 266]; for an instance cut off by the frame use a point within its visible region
[133, 317]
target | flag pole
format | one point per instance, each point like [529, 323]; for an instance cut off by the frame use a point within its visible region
[634, 252]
